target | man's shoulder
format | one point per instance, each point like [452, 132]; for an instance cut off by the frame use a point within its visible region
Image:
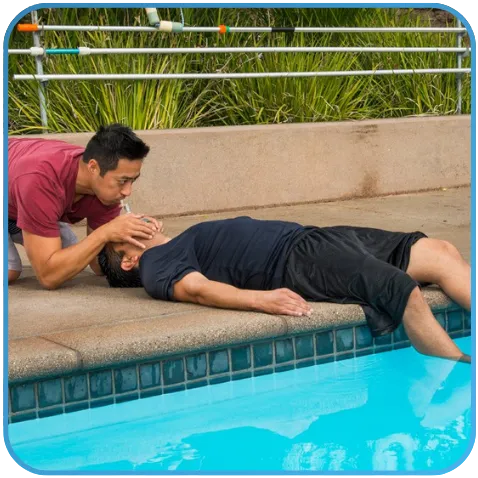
[42, 143]
[225, 223]
[35, 139]
[38, 155]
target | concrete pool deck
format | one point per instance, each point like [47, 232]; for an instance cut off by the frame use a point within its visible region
[86, 325]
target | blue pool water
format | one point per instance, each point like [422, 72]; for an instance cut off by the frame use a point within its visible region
[390, 411]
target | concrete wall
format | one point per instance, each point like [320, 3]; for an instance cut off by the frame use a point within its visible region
[220, 168]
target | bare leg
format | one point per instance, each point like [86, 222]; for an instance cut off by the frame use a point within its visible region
[437, 262]
[425, 333]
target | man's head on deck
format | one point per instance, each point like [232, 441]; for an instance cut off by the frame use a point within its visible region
[119, 261]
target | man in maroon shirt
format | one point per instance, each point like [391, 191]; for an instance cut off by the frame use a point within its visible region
[51, 183]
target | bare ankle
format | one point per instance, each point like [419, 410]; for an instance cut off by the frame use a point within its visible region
[465, 358]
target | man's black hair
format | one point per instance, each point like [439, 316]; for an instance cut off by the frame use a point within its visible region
[110, 263]
[112, 143]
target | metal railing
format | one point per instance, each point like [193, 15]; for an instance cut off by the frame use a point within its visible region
[226, 29]
[39, 52]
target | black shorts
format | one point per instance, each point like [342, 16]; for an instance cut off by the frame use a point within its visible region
[355, 265]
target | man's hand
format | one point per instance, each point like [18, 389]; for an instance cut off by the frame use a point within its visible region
[283, 302]
[126, 227]
[54, 265]
[194, 287]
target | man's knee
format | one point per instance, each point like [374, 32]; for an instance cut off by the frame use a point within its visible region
[416, 299]
[441, 248]
[13, 275]
[450, 249]
[14, 260]
[431, 259]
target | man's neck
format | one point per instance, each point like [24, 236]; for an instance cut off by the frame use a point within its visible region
[82, 186]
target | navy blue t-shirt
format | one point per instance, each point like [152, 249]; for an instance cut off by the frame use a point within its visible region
[244, 252]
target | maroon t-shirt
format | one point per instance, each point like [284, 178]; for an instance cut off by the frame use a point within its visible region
[41, 187]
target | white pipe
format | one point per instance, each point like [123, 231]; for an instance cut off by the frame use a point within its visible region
[212, 76]
[341, 29]
[39, 68]
[90, 28]
[164, 51]
[459, 41]
[152, 14]
[21, 52]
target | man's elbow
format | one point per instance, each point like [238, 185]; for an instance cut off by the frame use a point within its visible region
[191, 290]
[48, 283]
[202, 293]
[201, 297]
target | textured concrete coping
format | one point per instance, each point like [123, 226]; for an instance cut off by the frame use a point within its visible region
[108, 345]
[85, 325]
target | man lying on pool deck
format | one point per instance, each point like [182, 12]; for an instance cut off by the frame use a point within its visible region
[276, 266]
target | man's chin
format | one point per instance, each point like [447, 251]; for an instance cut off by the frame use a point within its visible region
[110, 203]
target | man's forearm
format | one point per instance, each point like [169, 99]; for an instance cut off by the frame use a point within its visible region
[65, 264]
[195, 287]
[217, 294]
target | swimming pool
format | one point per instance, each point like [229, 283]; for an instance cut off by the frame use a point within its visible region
[392, 411]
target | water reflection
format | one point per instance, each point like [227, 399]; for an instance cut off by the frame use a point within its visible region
[424, 425]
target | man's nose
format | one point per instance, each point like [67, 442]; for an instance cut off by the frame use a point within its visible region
[127, 189]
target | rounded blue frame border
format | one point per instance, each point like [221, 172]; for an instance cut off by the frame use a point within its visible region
[232, 5]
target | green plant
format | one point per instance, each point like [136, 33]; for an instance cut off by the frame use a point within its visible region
[84, 105]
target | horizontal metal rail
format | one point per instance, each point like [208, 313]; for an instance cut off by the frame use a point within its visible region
[27, 27]
[168, 51]
[219, 76]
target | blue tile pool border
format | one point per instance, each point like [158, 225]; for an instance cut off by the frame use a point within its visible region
[95, 388]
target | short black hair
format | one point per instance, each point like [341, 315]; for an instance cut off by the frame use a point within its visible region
[112, 143]
[110, 264]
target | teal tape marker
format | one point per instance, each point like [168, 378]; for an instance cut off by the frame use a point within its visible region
[177, 27]
[62, 51]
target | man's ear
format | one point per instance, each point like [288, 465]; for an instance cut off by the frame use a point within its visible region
[93, 167]
[127, 263]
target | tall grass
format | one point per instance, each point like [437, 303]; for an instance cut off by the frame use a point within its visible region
[84, 105]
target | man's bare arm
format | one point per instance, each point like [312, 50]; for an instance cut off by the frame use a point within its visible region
[196, 288]
[54, 265]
